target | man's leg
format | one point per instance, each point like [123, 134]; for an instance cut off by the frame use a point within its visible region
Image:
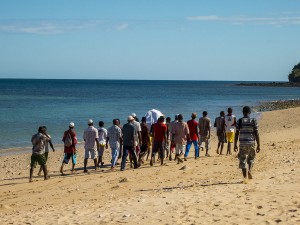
[134, 158]
[187, 149]
[84, 165]
[31, 173]
[124, 156]
[196, 147]
[162, 152]
[46, 177]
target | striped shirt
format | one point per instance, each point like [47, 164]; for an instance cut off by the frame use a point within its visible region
[247, 127]
[114, 134]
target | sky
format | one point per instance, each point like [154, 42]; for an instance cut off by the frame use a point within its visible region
[241, 40]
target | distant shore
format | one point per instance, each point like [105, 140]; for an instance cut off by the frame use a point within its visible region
[270, 84]
[277, 105]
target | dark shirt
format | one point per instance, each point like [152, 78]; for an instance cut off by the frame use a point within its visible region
[128, 134]
[145, 134]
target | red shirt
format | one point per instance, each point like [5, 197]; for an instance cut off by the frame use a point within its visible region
[193, 124]
[160, 130]
[72, 148]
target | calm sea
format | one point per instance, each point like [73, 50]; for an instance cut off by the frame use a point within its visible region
[25, 104]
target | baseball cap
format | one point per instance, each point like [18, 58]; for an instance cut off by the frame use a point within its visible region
[130, 118]
[133, 115]
[71, 124]
[90, 121]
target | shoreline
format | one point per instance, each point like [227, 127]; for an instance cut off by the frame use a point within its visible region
[269, 84]
[262, 107]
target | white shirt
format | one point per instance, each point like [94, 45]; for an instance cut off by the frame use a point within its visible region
[138, 128]
[102, 133]
[89, 135]
[229, 123]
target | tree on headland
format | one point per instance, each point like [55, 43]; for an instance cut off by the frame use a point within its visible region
[294, 76]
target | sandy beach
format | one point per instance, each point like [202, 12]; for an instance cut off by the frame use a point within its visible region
[204, 191]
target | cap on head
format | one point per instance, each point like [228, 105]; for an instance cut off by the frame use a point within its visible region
[71, 125]
[130, 118]
[133, 114]
[90, 122]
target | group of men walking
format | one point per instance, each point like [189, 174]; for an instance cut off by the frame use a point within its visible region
[165, 136]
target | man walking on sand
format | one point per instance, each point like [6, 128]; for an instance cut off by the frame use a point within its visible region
[204, 132]
[114, 138]
[46, 148]
[128, 143]
[38, 152]
[70, 141]
[247, 134]
[91, 146]
[230, 123]
[193, 128]
[145, 140]
[220, 127]
[159, 140]
[102, 133]
[180, 134]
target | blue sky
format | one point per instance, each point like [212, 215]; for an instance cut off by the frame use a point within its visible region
[153, 39]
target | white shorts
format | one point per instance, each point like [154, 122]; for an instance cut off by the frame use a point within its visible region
[90, 153]
[179, 149]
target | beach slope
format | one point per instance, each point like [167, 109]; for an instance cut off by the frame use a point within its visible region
[204, 191]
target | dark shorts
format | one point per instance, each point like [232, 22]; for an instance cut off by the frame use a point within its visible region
[69, 156]
[246, 156]
[144, 148]
[158, 146]
[40, 159]
[221, 137]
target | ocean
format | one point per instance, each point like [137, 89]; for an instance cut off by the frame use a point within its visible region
[26, 104]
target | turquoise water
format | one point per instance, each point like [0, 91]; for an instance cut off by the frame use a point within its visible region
[26, 104]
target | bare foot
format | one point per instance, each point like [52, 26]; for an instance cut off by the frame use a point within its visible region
[61, 171]
[249, 175]
[47, 178]
[39, 174]
[30, 180]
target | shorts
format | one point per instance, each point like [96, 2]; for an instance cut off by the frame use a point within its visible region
[90, 153]
[40, 159]
[158, 146]
[68, 156]
[101, 150]
[179, 149]
[144, 148]
[246, 156]
[230, 137]
[204, 140]
[221, 137]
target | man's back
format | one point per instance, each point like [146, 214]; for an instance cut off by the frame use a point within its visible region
[160, 130]
[128, 134]
[220, 124]
[180, 130]
[90, 134]
[230, 123]
[204, 126]
[193, 128]
[247, 126]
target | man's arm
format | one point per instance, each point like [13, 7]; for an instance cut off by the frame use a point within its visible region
[107, 139]
[236, 138]
[256, 134]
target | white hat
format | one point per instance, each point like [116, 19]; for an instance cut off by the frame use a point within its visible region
[130, 118]
[90, 122]
[71, 124]
[133, 115]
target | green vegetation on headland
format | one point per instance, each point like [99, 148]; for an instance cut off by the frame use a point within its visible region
[294, 80]
[294, 76]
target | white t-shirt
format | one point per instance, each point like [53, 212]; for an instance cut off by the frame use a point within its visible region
[102, 133]
[138, 128]
[229, 123]
[89, 135]
[47, 144]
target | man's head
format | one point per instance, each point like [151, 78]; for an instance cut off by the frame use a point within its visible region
[90, 122]
[71, 125]
[130, 119]
[194, 115]
[204, 113]
[180, 117]
[168, 120]
[144, 119]
[222, 113]
[176, 116]
[101, 124]
[229, 110]
[41, 129]
[161, 119]
[115, 122]
[246, 110]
